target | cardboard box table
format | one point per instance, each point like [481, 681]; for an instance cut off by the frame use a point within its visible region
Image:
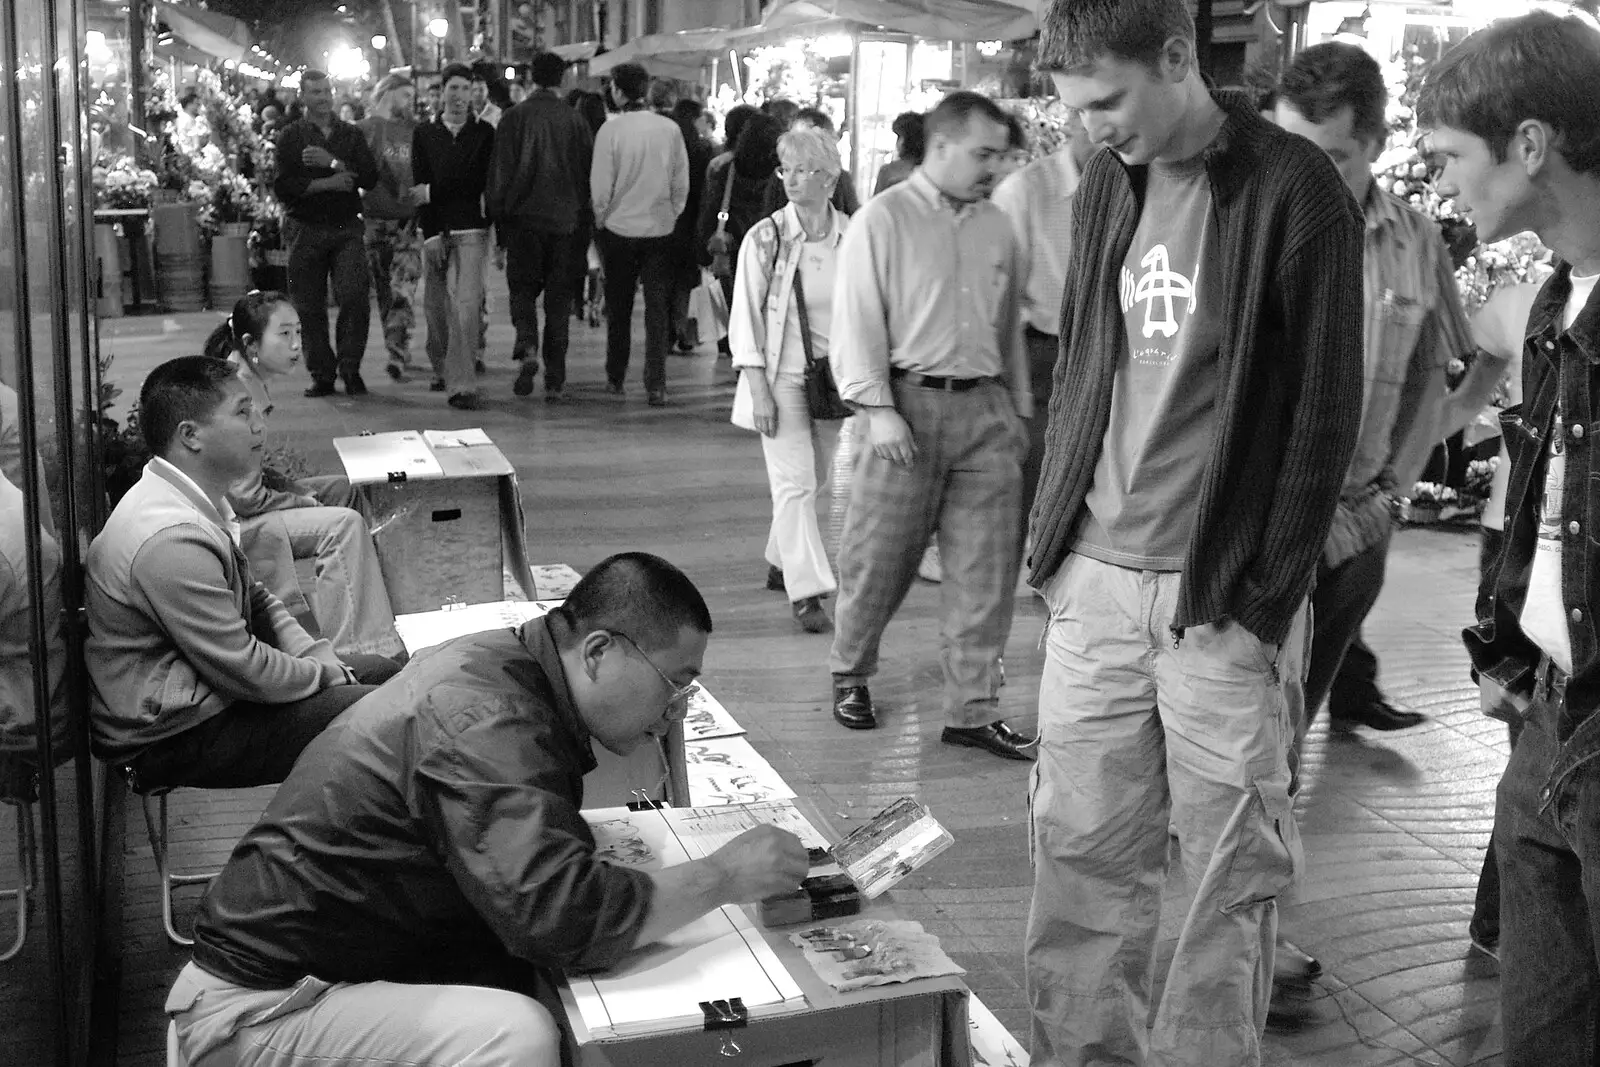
[446, 515]
[910, 1024]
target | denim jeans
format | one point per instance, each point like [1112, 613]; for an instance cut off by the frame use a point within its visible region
[453, 266]
[316, 253]
[1547, 839]
[630, 261]
[1140, 741]
[394, 256]
[542, 263]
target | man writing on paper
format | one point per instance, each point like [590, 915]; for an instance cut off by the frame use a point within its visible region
[424, 868]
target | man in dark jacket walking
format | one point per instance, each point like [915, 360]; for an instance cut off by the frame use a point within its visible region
[322, 162]
[1205, 408]
[538, 189]
[450, 162]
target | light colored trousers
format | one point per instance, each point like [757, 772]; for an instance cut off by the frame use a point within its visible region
[376, 1024]
[1140, 740]
[348, 602]
[966, 482]
[453, 268]
[798, 458]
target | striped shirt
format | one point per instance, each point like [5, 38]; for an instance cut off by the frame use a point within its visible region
[1413, 325]
[1038, 201]
[927, 286]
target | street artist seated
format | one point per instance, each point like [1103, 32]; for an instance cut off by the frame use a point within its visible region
[424, 869]
[318, 518]
[198, 675]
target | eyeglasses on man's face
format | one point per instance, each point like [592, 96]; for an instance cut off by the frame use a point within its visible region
[677, 695]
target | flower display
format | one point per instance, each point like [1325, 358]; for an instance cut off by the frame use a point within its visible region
[123, 184]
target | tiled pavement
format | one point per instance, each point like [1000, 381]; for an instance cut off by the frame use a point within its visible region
[1394, 826]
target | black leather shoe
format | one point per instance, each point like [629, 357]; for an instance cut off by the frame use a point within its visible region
[1290, 964]
[320, 389]
[997, 737]
[1378, 715]
[852, 707]
[523, 386]
[775, 578]
[354, 386]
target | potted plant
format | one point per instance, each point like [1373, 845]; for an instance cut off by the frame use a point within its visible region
[1427, 502]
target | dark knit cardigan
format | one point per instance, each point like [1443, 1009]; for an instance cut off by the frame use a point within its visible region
[1289, 402]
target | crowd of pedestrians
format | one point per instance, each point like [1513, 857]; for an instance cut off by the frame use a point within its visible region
[1171, 375]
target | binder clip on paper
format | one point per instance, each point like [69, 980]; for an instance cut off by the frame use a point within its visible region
[726, 1015]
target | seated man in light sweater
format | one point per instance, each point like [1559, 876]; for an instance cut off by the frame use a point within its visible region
[198, 675]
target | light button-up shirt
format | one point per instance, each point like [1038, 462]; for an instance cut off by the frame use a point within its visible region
[930, 286]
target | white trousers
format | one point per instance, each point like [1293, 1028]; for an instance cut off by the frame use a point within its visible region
[798, 459]
[376, 1024]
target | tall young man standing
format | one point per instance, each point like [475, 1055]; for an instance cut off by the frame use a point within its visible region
[450, 161]
[1512, 118]
[639, 181]
[1207, 398]
[322, 162]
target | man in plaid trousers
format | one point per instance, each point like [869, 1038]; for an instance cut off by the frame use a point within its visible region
[926, 312]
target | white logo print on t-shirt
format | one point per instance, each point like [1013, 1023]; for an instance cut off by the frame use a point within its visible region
[1157, 289]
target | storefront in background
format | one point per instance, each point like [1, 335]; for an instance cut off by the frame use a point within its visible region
[50, 502]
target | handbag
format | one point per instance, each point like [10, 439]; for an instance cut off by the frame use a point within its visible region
[822, 395]
[720, 244]
[708, 308]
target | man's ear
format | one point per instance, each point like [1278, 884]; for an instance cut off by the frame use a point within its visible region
[1176, 59]
[188, 436]
[1532, 145]
[590, 649]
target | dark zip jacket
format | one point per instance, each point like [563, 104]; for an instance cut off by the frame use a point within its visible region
[456, 170]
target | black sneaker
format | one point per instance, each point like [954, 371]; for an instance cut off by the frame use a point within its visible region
[524, 383]
[657, 398]
[436, 386]
[320, 389]
[465, 401]
[809, 614]
[354, 386]
[396, 371]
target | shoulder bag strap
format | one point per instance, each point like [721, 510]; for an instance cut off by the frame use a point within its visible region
[805, 317]
[727, 198]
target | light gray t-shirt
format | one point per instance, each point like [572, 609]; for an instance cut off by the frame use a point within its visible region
[1140, 507]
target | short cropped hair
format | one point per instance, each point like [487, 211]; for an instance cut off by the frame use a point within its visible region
[313, 75]
[1016, 132]
[688, 111]
[783, 109]
[813, 148]
[186, 389]
[954, 114]
[1325, 78]
[454, 70]
[815, 117]
[631, 80]
[547, 69]
[1075, 34]
[637, 594]
[661, 95]
[1537, 66]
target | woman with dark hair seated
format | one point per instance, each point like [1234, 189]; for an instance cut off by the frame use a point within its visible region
[283, 520]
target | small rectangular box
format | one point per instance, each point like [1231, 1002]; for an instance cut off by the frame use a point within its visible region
[446, 520]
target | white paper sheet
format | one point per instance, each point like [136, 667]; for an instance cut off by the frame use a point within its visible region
[374, 457]
[728, 770]
[707, 718]
[424, 629]
[456, 438]
[704, 830]
[720, 956]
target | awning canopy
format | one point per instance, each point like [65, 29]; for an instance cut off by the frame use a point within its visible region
[215, 35]
[952, 20]
[684, 54]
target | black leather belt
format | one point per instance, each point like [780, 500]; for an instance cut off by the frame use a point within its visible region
[933, 381]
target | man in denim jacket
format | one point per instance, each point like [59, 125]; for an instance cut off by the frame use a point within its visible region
[1513, 122]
